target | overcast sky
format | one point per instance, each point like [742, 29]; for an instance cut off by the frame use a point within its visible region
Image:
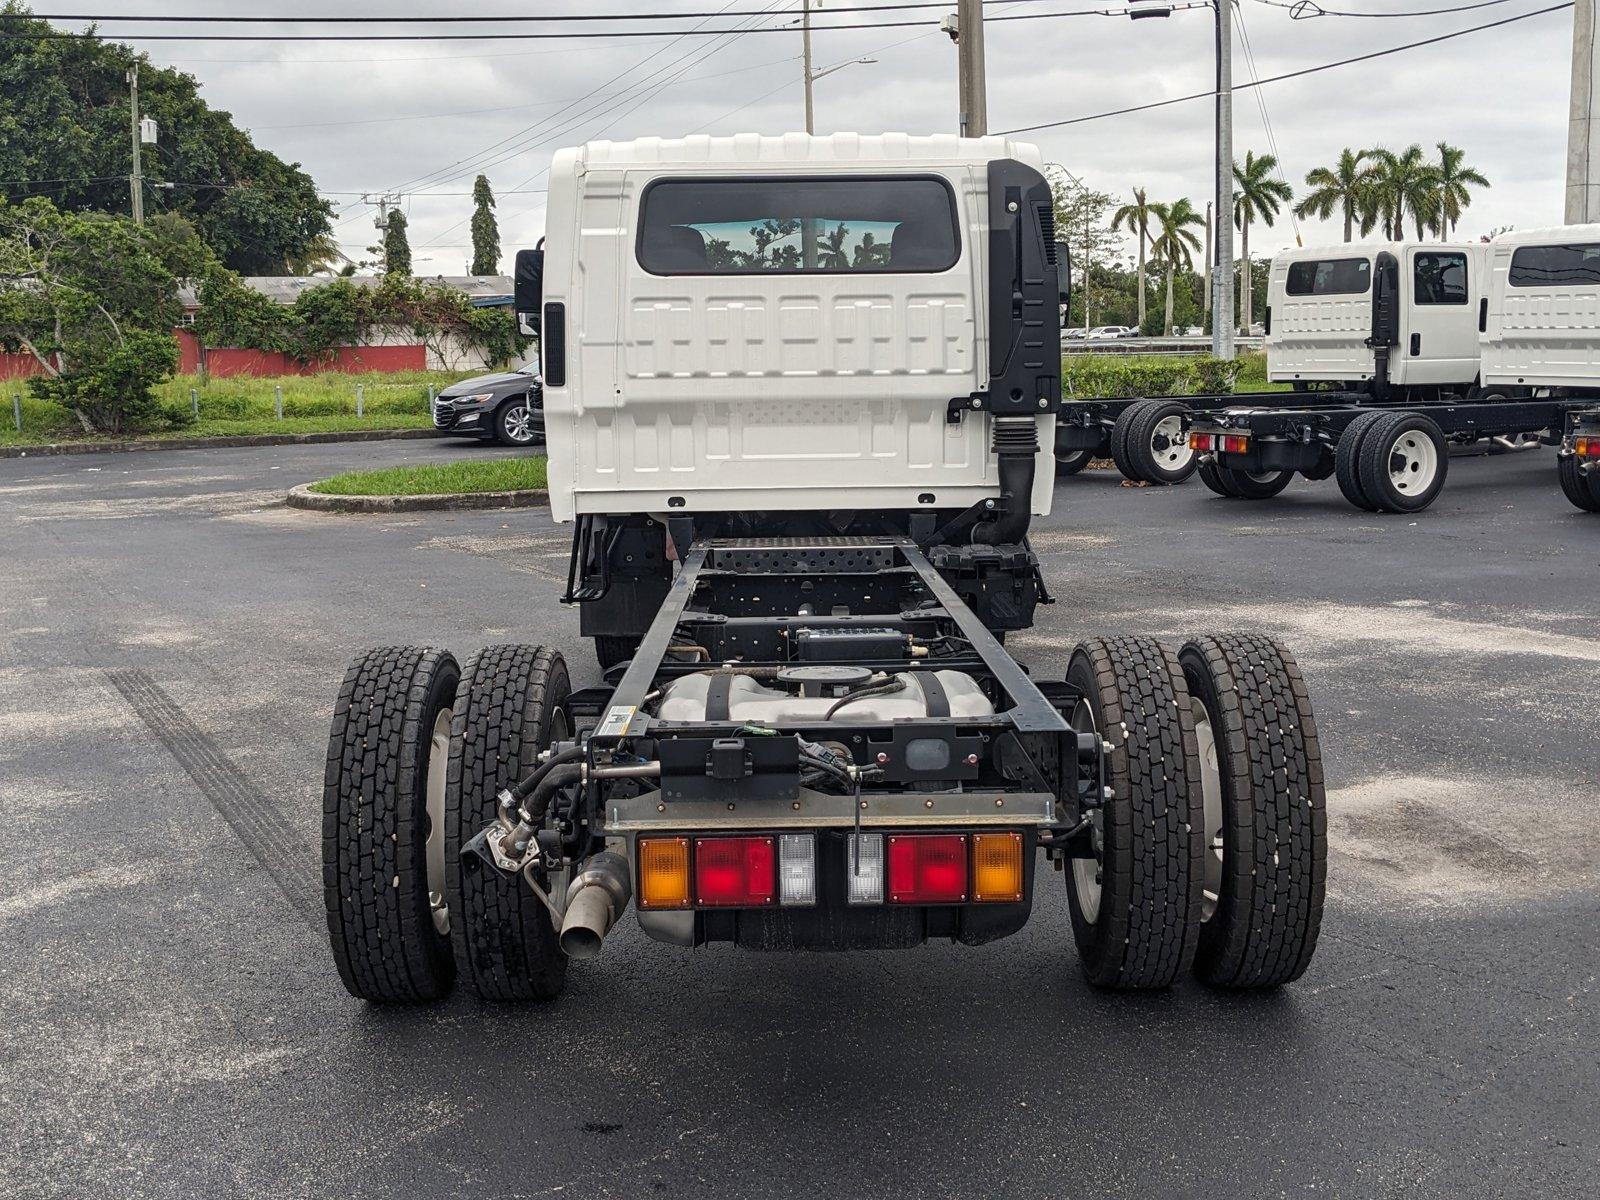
[369, 117]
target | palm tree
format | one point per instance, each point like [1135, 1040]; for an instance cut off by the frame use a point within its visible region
[1402, 184]
[1259, 195]
[1342, 187]
[830, 249]
[1138, 219]
[1176, 246]
[1452, 177]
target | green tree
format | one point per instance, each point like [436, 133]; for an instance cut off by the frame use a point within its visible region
[396, 246]
[830, 249]
[1341, 188]
[485, 229]
[1403, 184]
[1081, 222]
[1258, 195]
[1452, 178]
[1177, 244]
[1137, 218]
[87, 296]
[64, 135]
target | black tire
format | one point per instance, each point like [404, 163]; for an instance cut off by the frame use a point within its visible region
[1072, 461]
[1268, 811]
[512, 701]
[1141, 930]
[513, 423]
[375, 826]
[1347, 460]
[1212, 476]
[1403, 438]
[1119, 442]
[1583, 490]
[1152, 453]
[1255, 487]
[610, 650]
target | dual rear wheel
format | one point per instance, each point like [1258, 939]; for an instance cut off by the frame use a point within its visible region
[1209, 851]
[418, 749]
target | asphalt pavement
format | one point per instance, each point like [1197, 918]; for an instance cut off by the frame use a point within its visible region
[171, 640]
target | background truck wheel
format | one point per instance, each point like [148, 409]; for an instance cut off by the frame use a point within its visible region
[382, 808]
[513, 424]
[1073, 461]
[1211, 475]
[1583, 490]
[1120, 429]
[1254, 485]
[1347, 460]
[1136, 904]
[1265, 811]
[611, 650]
[1403, 462]
[510, 708]
[1157, 446]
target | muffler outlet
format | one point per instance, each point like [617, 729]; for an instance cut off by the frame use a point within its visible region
[596, 899]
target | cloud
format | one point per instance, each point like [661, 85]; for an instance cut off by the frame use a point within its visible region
[1501, 94]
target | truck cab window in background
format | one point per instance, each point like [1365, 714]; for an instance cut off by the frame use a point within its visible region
[1555, 266]
[1329, 277]
[1440, 278]
[839, 226]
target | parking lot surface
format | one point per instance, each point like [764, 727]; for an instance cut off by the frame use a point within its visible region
[171, 640]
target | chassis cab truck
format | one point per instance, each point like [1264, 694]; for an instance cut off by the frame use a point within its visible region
[798, 396]
[1396, 319]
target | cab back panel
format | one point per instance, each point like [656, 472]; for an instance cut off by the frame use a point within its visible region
[1543, 331]
[1320, 338]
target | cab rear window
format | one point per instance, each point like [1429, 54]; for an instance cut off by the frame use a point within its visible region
[784, 225]
[1329, 277]
[1555, 266]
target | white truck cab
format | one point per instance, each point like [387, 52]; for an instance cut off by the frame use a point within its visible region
[1381, 317]
[776, 323]
[1540, 315]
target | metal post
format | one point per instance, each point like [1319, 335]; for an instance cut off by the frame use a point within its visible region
[969, 53]
[194, 402]
[1583, 123]
[1205, 291]
[16, 409]
[277, 400]
[136, 179]
[361, 400]
[1222, 345]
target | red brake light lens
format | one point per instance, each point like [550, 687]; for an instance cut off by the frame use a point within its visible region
[927, 869]
[737, 872]
[1200, 441]
[1587, 447]
[1235, 445]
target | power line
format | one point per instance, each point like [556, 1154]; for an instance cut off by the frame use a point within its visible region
[1343, 62]
[1261, 102]
[1301, 10]
[458, 19]
[522, 35]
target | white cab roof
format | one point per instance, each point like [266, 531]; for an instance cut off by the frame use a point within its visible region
[746, 150]
[1556, 235]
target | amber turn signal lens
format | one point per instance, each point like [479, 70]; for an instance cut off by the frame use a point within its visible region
[663, 872]
[997, 866]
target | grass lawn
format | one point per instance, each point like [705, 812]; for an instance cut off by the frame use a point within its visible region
[239, 405]
[487, 475]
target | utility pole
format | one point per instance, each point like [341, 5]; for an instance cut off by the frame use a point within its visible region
[136, 179]
[1583, 125]
[1222, 279]
[805, 54]
[969, 53]
[1205, 292]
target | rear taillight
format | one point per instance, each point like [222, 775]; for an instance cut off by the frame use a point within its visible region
[1201, 441]
[1234, 444]
[797, 870]
[1586, 447]
[996, 867]
[927, 869]
[863, 867]
[664, 872]
[736, 872]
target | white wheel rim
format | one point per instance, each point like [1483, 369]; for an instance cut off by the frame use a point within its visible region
[438, 769]
[519, 424]
[1168, 446]
[1263, 476]
[1211, 796]
[1087, 872]
[1413, 463]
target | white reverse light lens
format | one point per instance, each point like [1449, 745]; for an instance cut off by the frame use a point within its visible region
[863, 867]
[797, 870]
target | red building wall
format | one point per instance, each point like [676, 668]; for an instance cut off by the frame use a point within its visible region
[223, 361]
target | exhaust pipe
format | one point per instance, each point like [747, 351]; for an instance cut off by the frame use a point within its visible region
[596, 898]
[1516, 443]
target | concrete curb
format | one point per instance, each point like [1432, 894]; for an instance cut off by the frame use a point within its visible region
[219, 443]
[304, 497]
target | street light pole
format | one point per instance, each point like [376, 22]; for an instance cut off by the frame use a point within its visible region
[969, 55]
[1222, 344]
